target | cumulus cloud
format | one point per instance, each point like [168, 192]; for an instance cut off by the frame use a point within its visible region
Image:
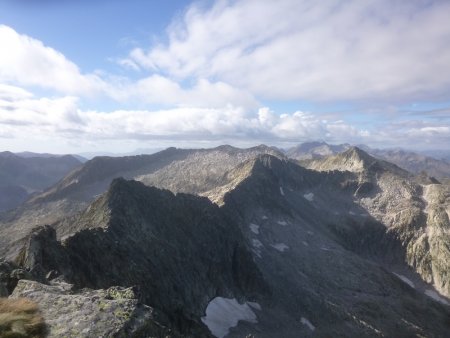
[203, 93]
[27, 61]
[300, 49]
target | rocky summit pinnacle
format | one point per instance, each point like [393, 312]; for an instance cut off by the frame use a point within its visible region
[179, 251]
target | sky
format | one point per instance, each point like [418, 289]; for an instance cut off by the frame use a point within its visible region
[115, 76]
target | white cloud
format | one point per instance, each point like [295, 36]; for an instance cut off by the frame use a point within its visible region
[13, 93]
[298, 49]
[27, 61]
[159, 89]
[61, 117]
[60, 121]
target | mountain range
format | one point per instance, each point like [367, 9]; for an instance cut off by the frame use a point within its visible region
[412, 161]
[320, 240]
[24, 174]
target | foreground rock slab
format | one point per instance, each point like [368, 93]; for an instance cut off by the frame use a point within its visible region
[113, 312]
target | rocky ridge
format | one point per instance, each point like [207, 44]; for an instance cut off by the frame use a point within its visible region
[413, 210]
[180, 170]
[352, 249]
[179, 251]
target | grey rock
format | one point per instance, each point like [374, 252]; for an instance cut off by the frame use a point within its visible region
[180, 251]
[114, 312]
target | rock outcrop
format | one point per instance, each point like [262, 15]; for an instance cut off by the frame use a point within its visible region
[114, 312]
[195, 171]
[180, 251]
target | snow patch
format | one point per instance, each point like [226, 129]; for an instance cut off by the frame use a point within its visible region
[305, 243]
[406, 280]
[281, 191]
[309, 196]
[255, 305]
[282, 222]
[264, 217]
[257, 245]
[352, 213]
[279, 246]
[254, 228]
[324, 248]
[433, 294]
[306, 322]
[224, 313]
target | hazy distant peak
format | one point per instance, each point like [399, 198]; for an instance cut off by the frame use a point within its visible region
[314, 150]
[355, 160]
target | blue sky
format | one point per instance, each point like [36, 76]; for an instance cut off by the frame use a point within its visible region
[115, 76]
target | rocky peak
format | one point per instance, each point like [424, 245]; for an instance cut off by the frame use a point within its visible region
[179, 250]
[356, 160]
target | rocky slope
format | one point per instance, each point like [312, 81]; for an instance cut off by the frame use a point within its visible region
[414, 210]
[323, 254]
[356, 247]
[179, 251]
[415, 163]
[181, 170]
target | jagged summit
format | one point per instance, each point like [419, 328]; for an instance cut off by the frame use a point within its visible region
[355, 160]
[314, 150]
[179, 250]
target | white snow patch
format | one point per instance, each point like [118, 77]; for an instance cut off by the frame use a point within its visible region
[225, 313]
[279, 246]
[352, 213]
[305, 243]
[254, 228]
[433, 294]
[264, 217]
[281, 191]
[324, 248]
[282, 222]
[310, 232]
[257, 245]
[309, 196]
[255, 305]
[406, 280]
[306, 322]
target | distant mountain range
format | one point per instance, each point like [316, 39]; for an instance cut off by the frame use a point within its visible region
[414, 162]
[230, 242]
[23, 174]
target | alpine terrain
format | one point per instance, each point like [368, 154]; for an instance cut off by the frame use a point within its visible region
[230, 242]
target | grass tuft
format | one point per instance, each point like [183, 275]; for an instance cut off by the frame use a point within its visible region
[20, 318]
